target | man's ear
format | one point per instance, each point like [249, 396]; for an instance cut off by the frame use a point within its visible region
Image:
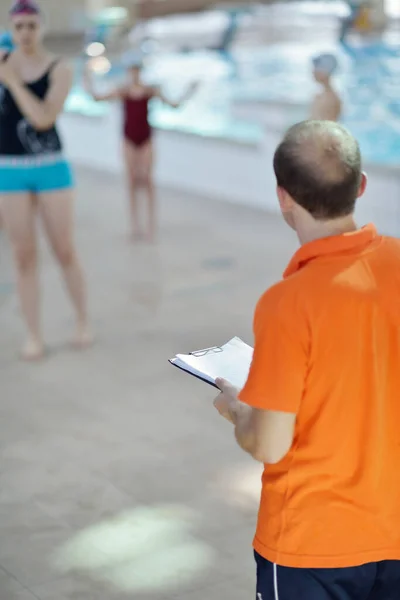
[363, 185]
[285, 201]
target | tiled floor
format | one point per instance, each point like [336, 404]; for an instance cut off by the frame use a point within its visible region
[117, 478]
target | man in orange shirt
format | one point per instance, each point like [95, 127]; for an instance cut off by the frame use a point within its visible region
[321, 407]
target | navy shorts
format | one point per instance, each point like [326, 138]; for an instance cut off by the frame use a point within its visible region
[373, 581]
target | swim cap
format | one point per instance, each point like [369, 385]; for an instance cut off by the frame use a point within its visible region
[326, 63]
[24, 7]
[133, 59]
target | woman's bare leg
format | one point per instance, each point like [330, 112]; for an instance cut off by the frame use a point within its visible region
[18, 216]
[130, 167]
[145, 174]
[56, 209]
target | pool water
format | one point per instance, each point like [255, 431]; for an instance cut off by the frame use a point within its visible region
[368, 80]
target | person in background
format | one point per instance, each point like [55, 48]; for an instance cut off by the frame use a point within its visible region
[135, 97]
[359, 19]
[321, 404]
[348, 22]
[327, 104]
[35, 178]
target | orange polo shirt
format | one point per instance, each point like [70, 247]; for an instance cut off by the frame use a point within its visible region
[327, 348]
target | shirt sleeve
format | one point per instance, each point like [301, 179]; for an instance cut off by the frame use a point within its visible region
[278, 371]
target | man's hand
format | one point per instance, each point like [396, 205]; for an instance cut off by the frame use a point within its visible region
[7, 74]
[227, 402]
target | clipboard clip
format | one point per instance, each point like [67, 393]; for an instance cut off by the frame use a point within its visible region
[206, 351]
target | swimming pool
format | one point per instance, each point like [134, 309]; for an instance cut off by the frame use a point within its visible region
[369, 81]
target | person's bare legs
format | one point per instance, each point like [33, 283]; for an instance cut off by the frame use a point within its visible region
[130, 167]
[18, 216]
[145, 175]
[56, 210]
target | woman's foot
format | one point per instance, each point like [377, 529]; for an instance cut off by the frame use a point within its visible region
[33, 350]
[83, 337]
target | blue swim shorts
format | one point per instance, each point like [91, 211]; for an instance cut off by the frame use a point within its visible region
[35, 174]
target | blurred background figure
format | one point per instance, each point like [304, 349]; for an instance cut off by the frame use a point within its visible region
[358, 15]
[34, 175]
[365, 18]
[135, 96]
[327, 104]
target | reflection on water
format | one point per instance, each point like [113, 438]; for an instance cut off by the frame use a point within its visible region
[148, 549]
[369, 80]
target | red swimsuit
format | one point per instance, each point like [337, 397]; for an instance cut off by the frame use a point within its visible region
[137, 128]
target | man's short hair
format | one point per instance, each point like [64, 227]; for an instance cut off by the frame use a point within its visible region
[318, 163]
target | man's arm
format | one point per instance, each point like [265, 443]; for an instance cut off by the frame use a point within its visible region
[264, 412]
[264, 434]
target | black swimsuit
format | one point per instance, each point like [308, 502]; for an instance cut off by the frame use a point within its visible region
[30, 160]
[17, 136]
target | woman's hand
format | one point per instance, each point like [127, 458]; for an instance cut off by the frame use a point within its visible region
[8, 76]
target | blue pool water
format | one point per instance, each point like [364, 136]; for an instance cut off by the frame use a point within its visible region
[368, 79]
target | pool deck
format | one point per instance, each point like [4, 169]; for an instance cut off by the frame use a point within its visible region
[86, 438]
[114, 466]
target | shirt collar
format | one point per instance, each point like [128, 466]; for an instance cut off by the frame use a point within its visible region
[356, 240]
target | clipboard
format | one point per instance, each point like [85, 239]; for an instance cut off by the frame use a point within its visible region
[199, 377]
[231, 361]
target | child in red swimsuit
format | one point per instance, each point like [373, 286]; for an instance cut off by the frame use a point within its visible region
[138, 146]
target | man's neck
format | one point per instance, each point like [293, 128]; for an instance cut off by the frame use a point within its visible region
[315, 230]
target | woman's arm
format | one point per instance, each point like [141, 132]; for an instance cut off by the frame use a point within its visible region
[42, 114]
[109, 96]
[116, 94]
[157, 93]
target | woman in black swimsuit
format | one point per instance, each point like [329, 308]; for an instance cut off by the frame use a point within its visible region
[34, 175]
